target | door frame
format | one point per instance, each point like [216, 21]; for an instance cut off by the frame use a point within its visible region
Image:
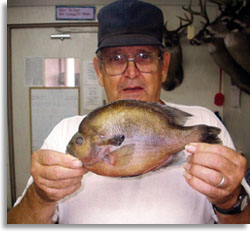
[10, 27]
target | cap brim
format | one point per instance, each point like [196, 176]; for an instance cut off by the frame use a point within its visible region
[128, 40]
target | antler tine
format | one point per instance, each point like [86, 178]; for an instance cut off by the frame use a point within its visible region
[226, 6]
[189, 9]
[202, 12]
[220, 3]
[186, 19]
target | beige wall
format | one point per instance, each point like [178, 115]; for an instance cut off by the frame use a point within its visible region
[237, 120]
[193, 91]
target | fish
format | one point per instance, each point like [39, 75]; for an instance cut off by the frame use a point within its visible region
[127, 138]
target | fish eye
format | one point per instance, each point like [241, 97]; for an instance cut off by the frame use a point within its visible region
[79, 140]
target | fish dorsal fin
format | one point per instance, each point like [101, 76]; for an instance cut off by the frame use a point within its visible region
[174, 115]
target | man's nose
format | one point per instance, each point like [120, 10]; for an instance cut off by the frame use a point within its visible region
[132, 70]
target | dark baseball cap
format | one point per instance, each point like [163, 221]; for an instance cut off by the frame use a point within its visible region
[129, 23]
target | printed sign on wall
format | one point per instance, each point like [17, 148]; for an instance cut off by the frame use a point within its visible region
[75, 13]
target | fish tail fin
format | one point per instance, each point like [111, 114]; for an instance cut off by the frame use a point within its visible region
[209, 134]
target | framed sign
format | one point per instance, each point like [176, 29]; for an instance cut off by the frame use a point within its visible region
[48, 106]
[75, 13]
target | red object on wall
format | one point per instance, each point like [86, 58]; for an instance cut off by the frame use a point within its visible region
[219, 98]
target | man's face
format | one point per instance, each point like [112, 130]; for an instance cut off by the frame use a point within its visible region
[132, 83]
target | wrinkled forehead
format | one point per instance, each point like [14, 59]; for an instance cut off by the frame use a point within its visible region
[132, 50]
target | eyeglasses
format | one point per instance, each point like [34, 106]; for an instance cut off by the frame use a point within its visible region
[117, 64]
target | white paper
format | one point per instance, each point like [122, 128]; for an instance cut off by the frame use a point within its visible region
[92, 97]
[49, 107]
[89, 75]
[92, 91]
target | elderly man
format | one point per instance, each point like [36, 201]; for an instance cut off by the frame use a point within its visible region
[131, 64]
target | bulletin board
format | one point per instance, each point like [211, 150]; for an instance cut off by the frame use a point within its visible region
[48, 106]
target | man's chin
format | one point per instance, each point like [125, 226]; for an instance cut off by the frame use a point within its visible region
[134, 96]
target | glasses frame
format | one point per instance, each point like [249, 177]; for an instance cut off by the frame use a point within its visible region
[159, 57]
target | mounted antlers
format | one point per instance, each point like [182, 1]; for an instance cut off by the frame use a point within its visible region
[224, 44]
[186, 19]
[172, 43]
[202, 12]
[228, 48]
[173, 36]
[228, 6]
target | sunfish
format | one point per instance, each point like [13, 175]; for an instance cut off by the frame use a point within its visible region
[131, 137]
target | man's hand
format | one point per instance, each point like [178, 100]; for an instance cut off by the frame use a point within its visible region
[55, 174]
[206, 167]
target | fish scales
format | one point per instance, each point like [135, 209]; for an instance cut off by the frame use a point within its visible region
[131, 137]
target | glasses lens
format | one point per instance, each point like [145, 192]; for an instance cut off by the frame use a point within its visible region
[117, 64]
[145, 62]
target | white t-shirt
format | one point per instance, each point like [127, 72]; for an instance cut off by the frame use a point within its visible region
[159, 197]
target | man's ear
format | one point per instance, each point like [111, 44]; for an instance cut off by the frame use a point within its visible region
[98, 70]
[165, 65]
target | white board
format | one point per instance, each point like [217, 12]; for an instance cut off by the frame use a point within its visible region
[48, 106]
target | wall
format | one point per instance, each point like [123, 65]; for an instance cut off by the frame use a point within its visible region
[193, 91]
[237, 120]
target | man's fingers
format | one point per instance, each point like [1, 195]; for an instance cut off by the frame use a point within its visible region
[48, 158]
[207, 175]
[203, 187]
[58, 184]
[55, 174]
[215, 171]
[55, 194]
[213, 161]
[59, 173]
[223, 151]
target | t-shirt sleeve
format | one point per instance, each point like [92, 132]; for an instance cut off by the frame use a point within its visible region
[57, 140]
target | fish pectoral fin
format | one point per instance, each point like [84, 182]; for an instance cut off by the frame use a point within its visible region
[116, 140]
[120, 156]
[109, 159]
